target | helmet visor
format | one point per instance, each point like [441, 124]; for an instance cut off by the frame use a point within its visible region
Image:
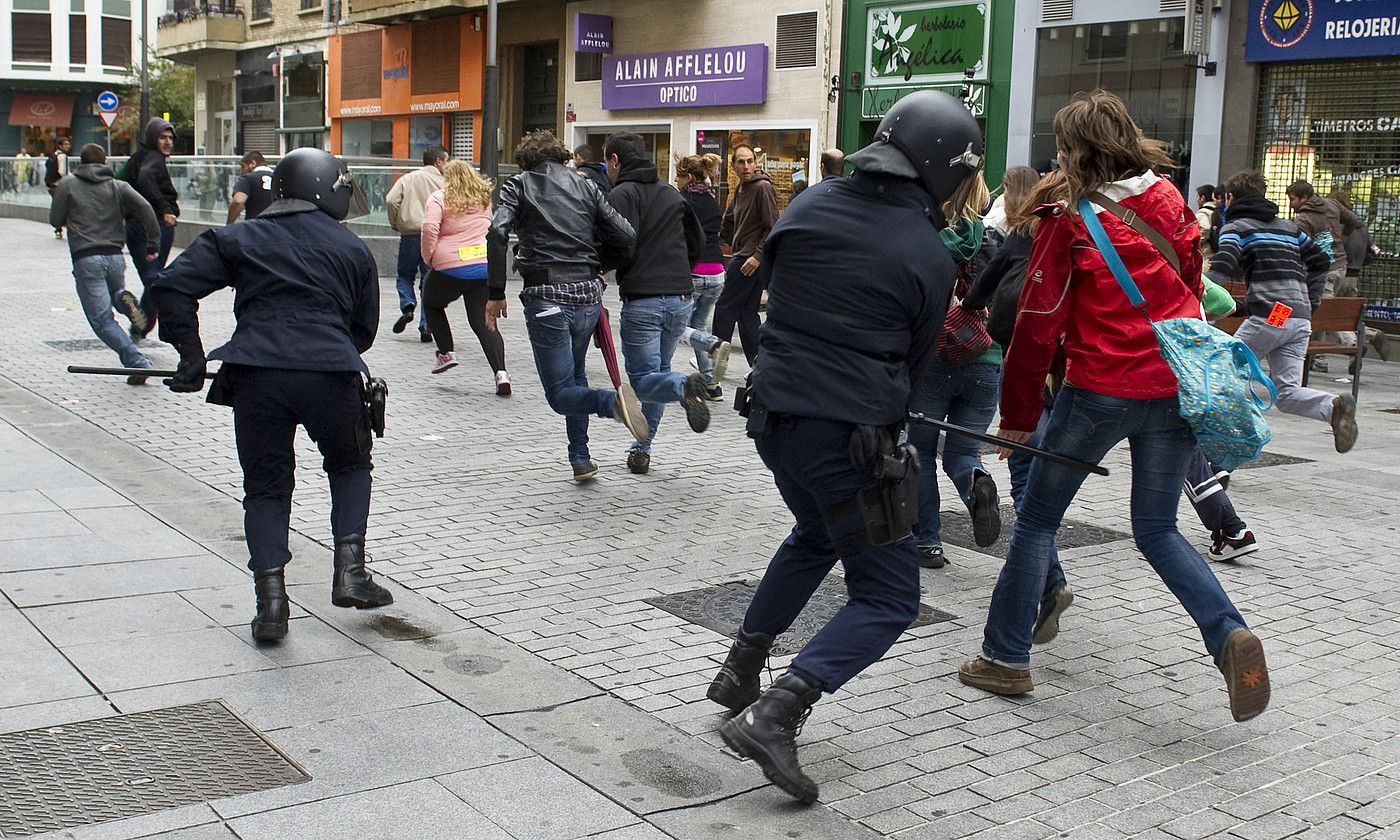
[359, 205]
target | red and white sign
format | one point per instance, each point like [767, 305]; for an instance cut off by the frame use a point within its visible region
[108, 117]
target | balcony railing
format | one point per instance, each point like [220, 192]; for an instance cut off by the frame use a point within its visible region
[198, 31]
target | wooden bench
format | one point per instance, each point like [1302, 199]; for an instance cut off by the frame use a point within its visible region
[1333, 316]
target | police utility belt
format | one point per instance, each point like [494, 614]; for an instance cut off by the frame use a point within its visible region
[888, 507]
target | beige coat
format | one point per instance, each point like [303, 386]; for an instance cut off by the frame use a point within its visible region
[408, 197]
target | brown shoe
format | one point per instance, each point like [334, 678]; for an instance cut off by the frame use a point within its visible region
[1344, 422]
[998, 679]
[1246, 675]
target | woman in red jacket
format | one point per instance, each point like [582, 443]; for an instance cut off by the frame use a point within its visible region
[1117, 386]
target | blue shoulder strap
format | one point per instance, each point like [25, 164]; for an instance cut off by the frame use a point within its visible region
[1110, 254]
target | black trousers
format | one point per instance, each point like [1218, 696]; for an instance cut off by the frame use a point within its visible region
[439, 291]
[268, 405]
[738, 303]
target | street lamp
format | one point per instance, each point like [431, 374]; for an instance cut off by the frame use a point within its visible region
[145, 69]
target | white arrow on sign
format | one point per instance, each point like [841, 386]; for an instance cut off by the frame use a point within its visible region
[107, 101]
[109, 117]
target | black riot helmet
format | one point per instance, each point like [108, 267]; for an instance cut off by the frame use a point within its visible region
[321, 178]
[928, 136]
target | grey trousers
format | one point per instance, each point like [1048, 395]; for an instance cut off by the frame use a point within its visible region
[1283, 349]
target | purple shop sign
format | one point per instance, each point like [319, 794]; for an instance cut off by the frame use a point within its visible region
[593, 33]
[687, 79]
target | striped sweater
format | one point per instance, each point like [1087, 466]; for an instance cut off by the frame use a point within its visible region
[1278, 262]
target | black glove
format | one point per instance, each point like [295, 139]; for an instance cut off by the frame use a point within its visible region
[190, 373]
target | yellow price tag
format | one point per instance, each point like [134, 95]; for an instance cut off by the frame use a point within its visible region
[471, 252]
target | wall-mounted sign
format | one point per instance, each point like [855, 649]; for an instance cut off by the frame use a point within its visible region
[1198, 19]
[687, 79]
[1294, 30]
[926, 43]
[593, 33]
[875, 102]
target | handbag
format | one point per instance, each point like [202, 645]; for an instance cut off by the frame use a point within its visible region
[1216, 373]
[964, 335]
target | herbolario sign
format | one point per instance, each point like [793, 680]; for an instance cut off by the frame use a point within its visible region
[926, 43]
[735, 75]
[1295, 30]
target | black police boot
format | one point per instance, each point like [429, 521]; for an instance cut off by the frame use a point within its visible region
[270, 624]
[352, 586]
[736, 685]
[767, 733]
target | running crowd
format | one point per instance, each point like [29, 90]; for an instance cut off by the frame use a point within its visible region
[901, 287]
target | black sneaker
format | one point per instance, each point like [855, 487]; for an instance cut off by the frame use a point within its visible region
[714, 393]
[638, 462]
[931, 557]
[134, 379]
[405, 319]
[425, 337]
[697, 413]
[586, 471]
[1224, 547]
[986, 515]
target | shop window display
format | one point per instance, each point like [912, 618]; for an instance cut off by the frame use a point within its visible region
[782, 153]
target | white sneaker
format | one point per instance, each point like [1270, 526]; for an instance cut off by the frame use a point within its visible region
[720, 356]
[502, 384]
[445, 361]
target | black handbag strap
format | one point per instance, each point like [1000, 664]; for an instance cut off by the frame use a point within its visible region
[1134, 221]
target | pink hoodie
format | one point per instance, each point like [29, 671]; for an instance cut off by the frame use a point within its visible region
[452, 239]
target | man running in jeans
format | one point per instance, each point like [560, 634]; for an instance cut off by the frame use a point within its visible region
[1285, 273]
[94, 207]
[405, 202]
[559, 219]
[655, 287]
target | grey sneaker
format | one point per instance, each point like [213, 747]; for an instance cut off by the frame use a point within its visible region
[1344, 422]
[1246, 675]
[131, 308]
[586, 471]
[719, 354]
[1047, 623]
[628, 412]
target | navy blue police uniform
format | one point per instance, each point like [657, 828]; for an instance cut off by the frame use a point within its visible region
[306, 299]
[850, 330]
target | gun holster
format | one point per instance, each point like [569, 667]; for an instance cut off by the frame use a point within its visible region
[888, 506]
[752, 409]
[376, 399]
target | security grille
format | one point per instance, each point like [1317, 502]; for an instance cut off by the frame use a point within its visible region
[588, 67]
[260, 137]
[436, 53]
[463, 138]
[1172, 6]
[360, 65]
[1316, 123]
[797, 41]
[1052, 11]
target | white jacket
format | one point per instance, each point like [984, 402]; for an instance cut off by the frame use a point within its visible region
[408, 197]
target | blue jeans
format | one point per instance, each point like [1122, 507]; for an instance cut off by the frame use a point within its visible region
[1086, 425]
[411, 272]
[559, 336]
[100, 279]
[707, 290]
[651, 327]
[966, 396]
[147, 271]
[811, 465]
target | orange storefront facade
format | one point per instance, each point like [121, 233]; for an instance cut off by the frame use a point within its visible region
[392, 92]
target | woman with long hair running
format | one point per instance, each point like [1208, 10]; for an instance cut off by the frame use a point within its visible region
[1117, 386]
[695, 175]
[454, 247]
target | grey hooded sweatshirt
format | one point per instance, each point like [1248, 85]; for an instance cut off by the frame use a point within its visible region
[94, 207]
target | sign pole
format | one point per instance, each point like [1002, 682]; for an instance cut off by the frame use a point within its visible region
[491, 102]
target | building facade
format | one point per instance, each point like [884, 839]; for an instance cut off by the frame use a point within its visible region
[1138, 50]
[56, 56]
[1328, 112]
[895, 47]
[699, 80]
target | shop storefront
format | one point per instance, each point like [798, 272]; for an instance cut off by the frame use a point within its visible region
[1329, 114]
[764, 83]
[393, 92]
[303, 103]
[895, 48]
[257, 102]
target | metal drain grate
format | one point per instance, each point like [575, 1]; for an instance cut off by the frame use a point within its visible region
[125, 766]
[1273, 459]
[77, 345]
[956, 529]
[721, 608]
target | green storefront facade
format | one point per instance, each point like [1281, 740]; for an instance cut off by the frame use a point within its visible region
[962, 47]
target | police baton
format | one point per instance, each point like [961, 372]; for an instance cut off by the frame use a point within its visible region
[120, 371]
[1009, 444]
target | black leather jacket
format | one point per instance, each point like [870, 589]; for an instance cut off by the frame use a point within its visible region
[562, 221]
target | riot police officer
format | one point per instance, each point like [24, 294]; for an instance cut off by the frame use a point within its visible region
[306, 299]
[860, 283]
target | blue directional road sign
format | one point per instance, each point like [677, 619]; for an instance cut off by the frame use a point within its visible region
[107, 101]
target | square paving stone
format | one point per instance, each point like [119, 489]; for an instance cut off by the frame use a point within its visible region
[430, 810]
[54, 712]
[114, 619]
[39, 525]
[157, 660]
[38, 675]
[533, 798]
[114, 580]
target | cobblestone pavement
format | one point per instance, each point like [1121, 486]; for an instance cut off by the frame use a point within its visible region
[1127, 732]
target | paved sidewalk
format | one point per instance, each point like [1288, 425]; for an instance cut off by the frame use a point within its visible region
[1127, 733]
